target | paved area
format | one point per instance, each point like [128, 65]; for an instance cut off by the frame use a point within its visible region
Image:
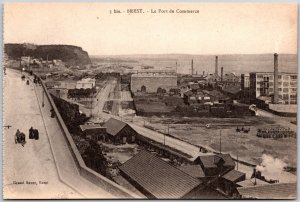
[47, 159]
[34, 162]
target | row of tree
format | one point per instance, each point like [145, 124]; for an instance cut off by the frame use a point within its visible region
[81, 93]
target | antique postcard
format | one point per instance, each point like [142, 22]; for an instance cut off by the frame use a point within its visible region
[150, 100]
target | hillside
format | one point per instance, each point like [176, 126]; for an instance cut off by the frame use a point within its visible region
[72, 55]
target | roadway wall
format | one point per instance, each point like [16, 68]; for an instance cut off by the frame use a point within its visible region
[86, 172]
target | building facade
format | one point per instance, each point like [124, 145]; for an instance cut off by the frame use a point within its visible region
[151, 81]
[262, 85]
[86, 83]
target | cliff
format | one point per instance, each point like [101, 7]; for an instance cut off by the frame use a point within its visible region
[72, 55]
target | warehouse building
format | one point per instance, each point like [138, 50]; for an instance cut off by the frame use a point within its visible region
[157, 179]
[151, 81]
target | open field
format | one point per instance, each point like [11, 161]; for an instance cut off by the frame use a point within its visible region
[246, 145]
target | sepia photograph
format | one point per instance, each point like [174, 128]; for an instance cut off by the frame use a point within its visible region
[150, 100]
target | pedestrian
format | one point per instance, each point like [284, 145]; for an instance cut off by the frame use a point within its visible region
[36, 134]
[31, 135]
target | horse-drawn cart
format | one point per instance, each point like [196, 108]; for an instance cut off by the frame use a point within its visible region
[20, 138]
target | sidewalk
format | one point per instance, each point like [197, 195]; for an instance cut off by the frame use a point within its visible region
[64, 161]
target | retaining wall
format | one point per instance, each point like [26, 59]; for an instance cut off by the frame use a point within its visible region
[84, 171]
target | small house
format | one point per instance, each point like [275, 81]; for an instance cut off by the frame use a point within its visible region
[120, 132]
[214, 165]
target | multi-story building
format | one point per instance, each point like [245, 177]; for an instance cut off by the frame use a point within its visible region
[262, 85]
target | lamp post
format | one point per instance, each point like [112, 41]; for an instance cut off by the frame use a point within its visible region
[43, 104]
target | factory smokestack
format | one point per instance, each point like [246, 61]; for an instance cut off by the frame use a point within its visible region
[275, 78]
[192, 67]
[216, 67]
[221, 73]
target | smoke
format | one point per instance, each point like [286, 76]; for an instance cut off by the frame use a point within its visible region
[271, 165]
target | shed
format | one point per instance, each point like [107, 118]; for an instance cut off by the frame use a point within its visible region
[213, 165]
[120, 132]
[95, 132]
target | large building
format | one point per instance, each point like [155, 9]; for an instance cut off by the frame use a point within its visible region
[262, 86]
[151, 80]
[86, 83]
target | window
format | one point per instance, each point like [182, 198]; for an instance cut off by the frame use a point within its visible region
[260, 76]
[285, 77]
[270, 90]
[293, 90]
[285, 96]
[258, 89]
[271, 83]
[293, 83]
[279, 76]
[280, 96]
[279, 89]
[285, 90]
[293, 96]
[271, 78]
[285, 84]
[293, 77]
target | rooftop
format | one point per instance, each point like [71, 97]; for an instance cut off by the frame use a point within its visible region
[114, 126]
[157, 177]
[233, 175]
[211, 161]
[193, 170]
[89, 126]
[270, 191]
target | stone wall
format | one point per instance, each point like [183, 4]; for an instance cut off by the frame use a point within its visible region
[153, 83]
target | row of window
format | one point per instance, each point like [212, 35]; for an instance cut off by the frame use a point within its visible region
[285, 77]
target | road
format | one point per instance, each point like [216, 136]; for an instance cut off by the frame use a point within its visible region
[34, 162]
[185, 147]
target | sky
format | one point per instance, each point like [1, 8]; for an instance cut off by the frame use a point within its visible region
[218, 28]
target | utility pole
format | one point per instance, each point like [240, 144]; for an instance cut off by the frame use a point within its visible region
[220, 143]
[92, 101]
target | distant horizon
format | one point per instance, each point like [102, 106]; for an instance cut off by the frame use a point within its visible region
[62, 44]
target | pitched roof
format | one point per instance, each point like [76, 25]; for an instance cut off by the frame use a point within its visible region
[270, 191]
[192, 170]
[157, 177]
[114, 126]
[228, 160]
[211, 161]
[251, 182]
[233, 175]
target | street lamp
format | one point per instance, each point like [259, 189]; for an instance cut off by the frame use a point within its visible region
[43, 104]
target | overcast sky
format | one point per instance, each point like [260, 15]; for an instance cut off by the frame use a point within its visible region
[218, 28]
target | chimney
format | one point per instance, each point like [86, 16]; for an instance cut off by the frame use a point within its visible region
[221, 73]
[192, 67]
[275, 78]
[203, 73]
[216, 67]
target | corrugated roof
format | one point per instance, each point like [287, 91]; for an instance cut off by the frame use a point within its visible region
[114, 126]
[157, 177]
[271, 191]
[233, 175]
[192, 170]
